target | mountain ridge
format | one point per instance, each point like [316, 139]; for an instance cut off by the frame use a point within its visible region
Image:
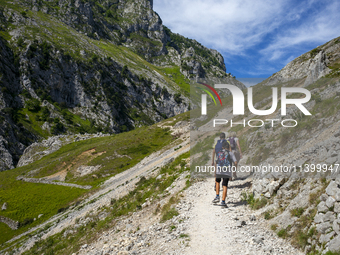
[87, 67]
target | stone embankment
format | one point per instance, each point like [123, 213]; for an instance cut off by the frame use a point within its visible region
[11, 223]
[41, 180]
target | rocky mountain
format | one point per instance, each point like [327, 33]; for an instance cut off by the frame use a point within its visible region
[303, 204]
[132, 192]
[96, 66]
[295, 170]
[322, 61]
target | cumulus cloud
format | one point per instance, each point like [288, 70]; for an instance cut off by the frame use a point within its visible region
[263, 32]
[225, 25]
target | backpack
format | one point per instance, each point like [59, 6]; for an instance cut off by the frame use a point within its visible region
[232, 143]
[223, 158]
[218, 146]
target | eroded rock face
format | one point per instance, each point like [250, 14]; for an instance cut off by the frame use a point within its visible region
[312, 68]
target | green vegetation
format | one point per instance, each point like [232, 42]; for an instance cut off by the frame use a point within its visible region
[268, 215]
[24, 198]
[146, 188]
[202, 148]
[273, 227]
[26, 201]
[178, 42]
[38, 115]
[254, 203]
[297, 212]
[282, 233]
[144, 40]
[168, 212]
[175, 74]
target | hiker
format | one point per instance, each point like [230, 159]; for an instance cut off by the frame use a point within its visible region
[216, 149]
[225, 160]
[235, 148]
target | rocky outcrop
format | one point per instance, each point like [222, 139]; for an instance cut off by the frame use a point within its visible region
[312, 69]
[11, 223]
[44, 181]
[38, 150]
[310, 66]
[4, 207]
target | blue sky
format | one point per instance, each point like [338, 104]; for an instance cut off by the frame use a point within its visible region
[256, 37]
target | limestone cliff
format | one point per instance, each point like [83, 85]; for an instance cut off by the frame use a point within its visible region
[312, 65]
[91, 66]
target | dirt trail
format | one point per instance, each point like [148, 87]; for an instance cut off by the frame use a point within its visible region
[200, 227]
[234, 230]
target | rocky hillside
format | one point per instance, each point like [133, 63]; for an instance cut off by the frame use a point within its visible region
[323, 61]
[301, 205]
[85, 67]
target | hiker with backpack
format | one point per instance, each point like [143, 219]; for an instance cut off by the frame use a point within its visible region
[224, 162]
[217, 148]
[235, 148]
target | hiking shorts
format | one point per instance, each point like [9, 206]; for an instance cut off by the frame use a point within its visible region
[225, 181]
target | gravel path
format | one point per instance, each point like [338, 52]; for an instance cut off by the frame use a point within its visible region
[233, 230]
[200, 227]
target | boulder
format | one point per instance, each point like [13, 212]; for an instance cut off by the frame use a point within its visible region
[329, 216]
[337, 196]
[330, 202]
[325, 238]
[334, 244]
[4, 207]
[324, 197]
[336, 227]
[319, 218]
[332, 189]
[323, 227]
[322, 207]
[337, 207]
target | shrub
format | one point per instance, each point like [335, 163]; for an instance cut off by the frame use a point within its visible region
[273, 227]
[20, 42]
[282, 233]
[33, 105]
[297, 212]
[25, 222]
[45, 48]
[45, 114]
[177, 98]
[26, 94]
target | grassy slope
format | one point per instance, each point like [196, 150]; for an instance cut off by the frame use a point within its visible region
[28, 200]
[147, 188]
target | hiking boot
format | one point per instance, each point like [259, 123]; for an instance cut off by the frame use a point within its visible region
[216, 199]
[223, 203]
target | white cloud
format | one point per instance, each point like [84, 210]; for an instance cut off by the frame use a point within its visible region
[228, 26]
[264, 31]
